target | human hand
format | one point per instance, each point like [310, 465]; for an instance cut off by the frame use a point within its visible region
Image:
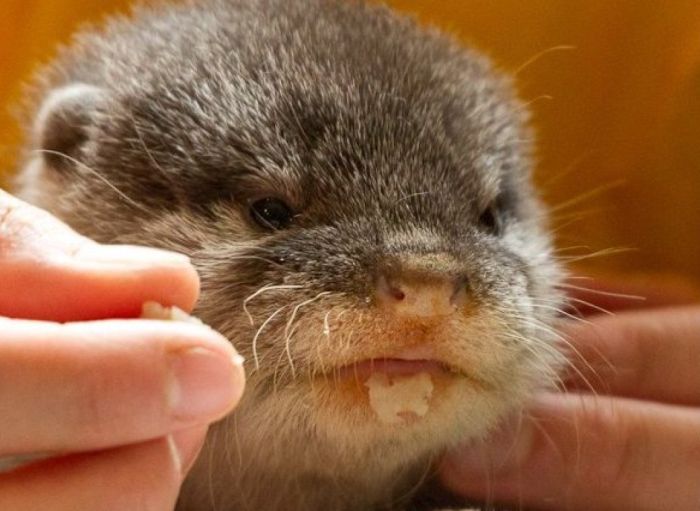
[626, 435]
[124, 402]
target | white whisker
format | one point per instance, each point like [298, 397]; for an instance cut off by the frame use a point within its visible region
[288, 329]
[260, 291]
[257, 334]
[602, 293]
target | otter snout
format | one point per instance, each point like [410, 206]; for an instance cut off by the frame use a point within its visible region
[417, 291]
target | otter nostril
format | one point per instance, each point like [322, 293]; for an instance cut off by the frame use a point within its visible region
[397, 293]
[387, 289]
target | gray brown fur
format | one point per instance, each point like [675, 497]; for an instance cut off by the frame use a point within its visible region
[389, 141]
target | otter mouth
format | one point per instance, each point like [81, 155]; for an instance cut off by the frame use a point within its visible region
[408, 361]
[399, 391]
[391, 367]
[399, 388]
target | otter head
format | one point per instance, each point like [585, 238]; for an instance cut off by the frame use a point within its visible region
[356, 195]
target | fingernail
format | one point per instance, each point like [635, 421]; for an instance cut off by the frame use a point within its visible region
[185, 446]
[130, 255]
[205, 384]
[506, 449]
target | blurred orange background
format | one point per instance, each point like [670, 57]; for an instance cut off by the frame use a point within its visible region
[615, 95]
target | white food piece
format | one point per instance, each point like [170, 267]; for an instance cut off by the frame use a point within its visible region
[154, 310]
[390, 398]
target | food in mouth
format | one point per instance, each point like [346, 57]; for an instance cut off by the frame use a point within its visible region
[399, 388]
[154, 310]
[399, 399]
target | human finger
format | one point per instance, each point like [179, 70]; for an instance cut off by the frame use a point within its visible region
[140, 477]
[93, 385]
[649, 355]
[50, 272]
[585, 452]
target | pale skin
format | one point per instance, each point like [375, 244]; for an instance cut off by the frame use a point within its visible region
[80, 376]
[126, 402]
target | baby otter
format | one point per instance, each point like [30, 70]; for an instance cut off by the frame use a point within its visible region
[355, 192]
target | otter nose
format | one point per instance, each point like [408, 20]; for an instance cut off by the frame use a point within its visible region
[422, 295]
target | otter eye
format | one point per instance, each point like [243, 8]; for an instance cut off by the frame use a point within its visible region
[491, 221]
[271, 213]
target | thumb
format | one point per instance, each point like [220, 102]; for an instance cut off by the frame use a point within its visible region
[50, 272]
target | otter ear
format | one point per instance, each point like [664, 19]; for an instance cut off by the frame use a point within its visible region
[63, 124]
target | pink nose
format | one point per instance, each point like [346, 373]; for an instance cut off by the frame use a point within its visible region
[422, 296]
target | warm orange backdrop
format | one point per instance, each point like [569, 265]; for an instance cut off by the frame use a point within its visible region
[621, 108]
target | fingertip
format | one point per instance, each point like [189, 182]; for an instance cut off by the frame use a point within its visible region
[175, 285]
[205, 384]
[55, 274]
[163, 276]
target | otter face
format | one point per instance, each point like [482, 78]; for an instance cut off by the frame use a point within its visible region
[357, 201]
